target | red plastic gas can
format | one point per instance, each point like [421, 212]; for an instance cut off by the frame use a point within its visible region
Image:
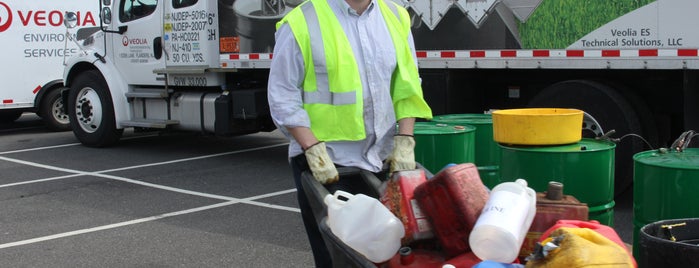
[453, 200]
[421, 258]
[425, 258]
[398, 196]
[468, 259]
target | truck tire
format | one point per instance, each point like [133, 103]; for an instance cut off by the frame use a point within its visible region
[51, 111]
[91, 111]
[9, 116]
[610, 109]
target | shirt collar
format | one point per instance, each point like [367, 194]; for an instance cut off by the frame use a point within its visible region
[347, 10]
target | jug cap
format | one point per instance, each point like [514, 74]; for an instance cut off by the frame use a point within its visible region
[521, 181]
[555, 191]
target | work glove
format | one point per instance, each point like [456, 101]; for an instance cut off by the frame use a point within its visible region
[323, 169]
[403, 156]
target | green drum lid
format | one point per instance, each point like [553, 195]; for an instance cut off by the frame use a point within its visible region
[687, 159]
[585, 145]
[475, 119]
[438, 144]
[430, 128]
[486, 148]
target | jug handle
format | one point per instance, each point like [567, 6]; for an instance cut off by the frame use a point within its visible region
[333, 201]
[341, 193]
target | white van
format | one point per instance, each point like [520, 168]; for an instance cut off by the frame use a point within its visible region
[32, 47]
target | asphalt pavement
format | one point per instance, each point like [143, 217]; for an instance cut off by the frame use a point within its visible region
[175, 200]
[172, 200]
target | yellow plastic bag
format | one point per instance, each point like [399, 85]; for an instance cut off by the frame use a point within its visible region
[580, 247]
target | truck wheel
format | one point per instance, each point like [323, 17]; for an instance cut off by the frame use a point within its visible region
[91, 111]
[51, 111]
[9, 116]
[610, 109]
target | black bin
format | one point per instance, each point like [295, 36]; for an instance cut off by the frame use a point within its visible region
[341, 254]
[657, 249]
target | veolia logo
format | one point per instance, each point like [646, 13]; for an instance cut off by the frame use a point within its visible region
[5, 17]
[41, 18]
[133, 41]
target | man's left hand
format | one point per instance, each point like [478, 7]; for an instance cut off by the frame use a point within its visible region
[403, 156]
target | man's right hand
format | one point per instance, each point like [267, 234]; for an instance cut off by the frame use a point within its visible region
[321, 165]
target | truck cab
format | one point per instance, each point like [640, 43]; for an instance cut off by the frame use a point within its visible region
[156, 65]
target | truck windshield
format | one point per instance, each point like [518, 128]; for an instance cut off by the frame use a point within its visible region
[136, 9]
[183, 3]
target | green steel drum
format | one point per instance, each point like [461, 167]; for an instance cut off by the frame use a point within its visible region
[586, 168]
[486, 149]
[666, 186]
[439, 144]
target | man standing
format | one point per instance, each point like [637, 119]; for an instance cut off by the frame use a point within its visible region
[343, 73]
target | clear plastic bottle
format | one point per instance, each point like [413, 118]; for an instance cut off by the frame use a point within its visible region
[500, 229]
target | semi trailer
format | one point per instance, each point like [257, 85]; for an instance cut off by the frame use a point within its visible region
[202, 65]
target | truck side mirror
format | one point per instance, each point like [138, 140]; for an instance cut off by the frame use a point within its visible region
[106, 15]
[70, 20]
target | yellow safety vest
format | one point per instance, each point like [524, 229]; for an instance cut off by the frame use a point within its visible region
[336, 113]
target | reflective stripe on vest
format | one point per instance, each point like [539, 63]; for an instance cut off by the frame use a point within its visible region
[344, 89]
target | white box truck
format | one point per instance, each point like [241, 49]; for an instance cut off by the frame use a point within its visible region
[202, 65]
[33, 47]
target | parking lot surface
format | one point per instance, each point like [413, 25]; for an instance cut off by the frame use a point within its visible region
[155, 200]
[178, 200]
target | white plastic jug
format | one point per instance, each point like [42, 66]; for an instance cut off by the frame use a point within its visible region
[506, 217]
[364, 224]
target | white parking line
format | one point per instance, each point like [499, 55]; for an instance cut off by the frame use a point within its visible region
[76, 173]
[99, 173]
[194, 158]
[147, 184]
[39, 180]
[66, 145]
[141, 220]
[39, 148]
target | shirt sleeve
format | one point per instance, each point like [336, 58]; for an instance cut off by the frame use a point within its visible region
[285, 79]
